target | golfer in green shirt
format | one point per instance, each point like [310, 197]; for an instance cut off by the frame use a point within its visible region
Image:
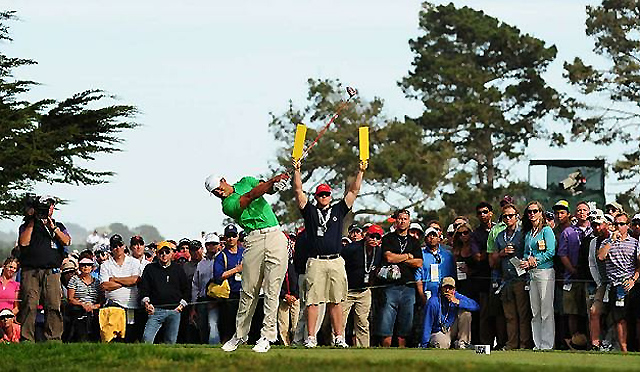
[265, 256]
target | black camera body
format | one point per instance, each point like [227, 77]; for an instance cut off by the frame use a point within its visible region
[39, 204]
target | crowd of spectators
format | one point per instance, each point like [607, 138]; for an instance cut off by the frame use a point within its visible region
[528, 279]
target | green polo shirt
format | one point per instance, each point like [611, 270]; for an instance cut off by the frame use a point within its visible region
[493, 233]
[257, 215]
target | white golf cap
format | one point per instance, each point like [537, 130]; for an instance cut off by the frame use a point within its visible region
[430, 231]
[636, 217]
[211, 238]
[416, 226]
[212, 182]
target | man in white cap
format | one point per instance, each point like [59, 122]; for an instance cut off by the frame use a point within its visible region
[416, 230]
[265, 257]
[207, 313]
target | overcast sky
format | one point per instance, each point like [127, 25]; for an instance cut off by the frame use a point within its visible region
[206, 74]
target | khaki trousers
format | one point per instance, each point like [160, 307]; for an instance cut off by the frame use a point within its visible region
[264, 263]
[288, 320]
[517, 312]
[361, 304]
[461, 330]
[36, 284]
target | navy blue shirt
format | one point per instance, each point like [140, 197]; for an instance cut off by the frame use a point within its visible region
[356, 267]
[516, 239]
[331, 240]
[219, 267]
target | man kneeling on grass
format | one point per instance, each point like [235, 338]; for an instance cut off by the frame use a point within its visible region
[447, 318]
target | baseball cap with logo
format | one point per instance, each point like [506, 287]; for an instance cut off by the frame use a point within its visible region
[230, 229]
[561, 205]
[116, 241]
[323, 187]
[375, 229]
[165, 244]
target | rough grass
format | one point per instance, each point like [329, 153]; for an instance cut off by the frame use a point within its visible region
[123, 357]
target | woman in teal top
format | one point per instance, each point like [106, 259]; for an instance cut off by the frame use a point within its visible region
[539, 249]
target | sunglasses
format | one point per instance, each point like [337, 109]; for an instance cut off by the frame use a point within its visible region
[509, 215]
[533, 211]
[323, 194]
[164, 251]
[620, 223]
[231, 235]
[432, 235]
[6, 317]
[375, 236]
[465, 232]
[85, 265]
[484, 211]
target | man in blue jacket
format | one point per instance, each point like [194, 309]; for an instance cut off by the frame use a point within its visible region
[447, 317]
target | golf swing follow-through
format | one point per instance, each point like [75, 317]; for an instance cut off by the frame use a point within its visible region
[265, 256]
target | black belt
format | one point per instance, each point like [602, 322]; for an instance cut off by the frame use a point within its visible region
[327, 256]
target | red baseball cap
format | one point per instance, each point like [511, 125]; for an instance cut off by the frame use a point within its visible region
[375, 229]
[323, 187]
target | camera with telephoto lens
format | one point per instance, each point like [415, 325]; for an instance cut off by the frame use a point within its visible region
[40, 205]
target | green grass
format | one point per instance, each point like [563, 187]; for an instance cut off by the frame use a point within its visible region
[122, 357]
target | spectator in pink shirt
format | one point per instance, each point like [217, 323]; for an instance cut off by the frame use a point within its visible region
[9, 330]
[9, 288]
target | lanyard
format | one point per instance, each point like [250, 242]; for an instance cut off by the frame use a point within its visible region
[403, 243]
[443, 322]
[508, 239]
[368, 267]
[323, 220]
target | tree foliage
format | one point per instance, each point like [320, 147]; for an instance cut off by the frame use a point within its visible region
[611, 103]
[482, 86]
[49, 140]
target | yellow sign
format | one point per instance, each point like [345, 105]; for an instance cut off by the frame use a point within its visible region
[298, 144]
[364, 143]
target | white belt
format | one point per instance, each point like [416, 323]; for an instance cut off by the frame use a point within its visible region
[265, 230]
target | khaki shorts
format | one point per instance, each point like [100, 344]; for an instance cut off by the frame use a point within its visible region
[596, 303]
[573, 300]
[326, 281]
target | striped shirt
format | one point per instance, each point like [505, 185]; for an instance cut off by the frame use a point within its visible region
[85, 292]
[621, 260]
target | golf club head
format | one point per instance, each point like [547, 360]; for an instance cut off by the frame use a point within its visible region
[281, 185]
[351, 91]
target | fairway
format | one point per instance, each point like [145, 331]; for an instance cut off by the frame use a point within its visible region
[123, 357]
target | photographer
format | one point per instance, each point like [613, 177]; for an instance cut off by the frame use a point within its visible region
[41, 241]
